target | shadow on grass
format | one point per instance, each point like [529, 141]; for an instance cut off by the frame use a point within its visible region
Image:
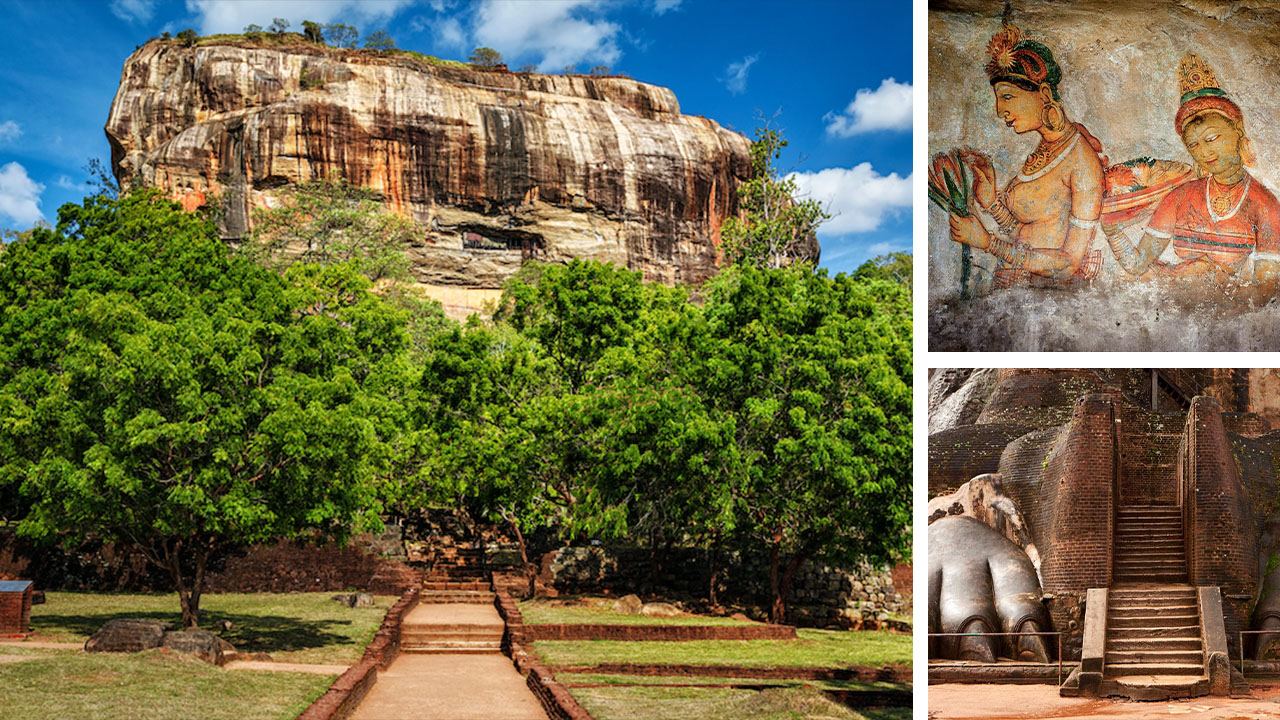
[248, 633]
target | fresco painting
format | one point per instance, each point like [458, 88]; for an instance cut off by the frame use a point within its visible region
[1169, 239]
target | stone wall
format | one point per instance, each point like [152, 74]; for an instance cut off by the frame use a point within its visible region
[821, 596]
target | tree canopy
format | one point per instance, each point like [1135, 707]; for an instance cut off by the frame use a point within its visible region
[159, 390]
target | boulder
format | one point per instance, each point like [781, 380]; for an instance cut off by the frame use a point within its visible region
[628, 605]
[128, 635]
[201, 643]
[660, 609]
[354, 600]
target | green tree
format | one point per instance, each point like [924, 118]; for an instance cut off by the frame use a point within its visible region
[485, 58]
[895, 267]
[774, 225]
[341, 36]
[313, 32]
[158, 390]
[379, 40]
[188, 37]
[331, 221]
[278, 26]
[253, 31]
[816, 374]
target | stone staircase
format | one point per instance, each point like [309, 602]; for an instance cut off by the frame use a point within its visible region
[1154, 649]
[456, 612]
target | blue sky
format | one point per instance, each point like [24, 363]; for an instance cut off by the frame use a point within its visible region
[835, 76]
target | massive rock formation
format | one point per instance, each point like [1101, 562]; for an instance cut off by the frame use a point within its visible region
[497, 166]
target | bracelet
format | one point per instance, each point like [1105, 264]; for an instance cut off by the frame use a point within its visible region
[1011, 251]
[1004, 218]
[1126, 253]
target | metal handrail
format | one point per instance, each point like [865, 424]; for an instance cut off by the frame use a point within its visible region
[1242, 633]
[1058, 635]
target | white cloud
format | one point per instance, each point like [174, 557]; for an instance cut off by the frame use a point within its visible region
[19, 195]
[888, 107]
[449, 34]
[661, 7]
[552, 30]
[442, 5]
[858, 198]
[65, 183]
[231, 16]
[133, 11]
[10, 131]
[736, 75]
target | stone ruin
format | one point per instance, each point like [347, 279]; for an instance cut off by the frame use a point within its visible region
[1136, 512]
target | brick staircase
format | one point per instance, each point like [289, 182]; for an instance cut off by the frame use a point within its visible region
[456, 611]
[1154, 650]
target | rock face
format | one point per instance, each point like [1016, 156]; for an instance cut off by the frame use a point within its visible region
[128, 635]
[497, 166]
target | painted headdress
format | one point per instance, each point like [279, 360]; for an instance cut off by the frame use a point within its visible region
[1022, 61]
[1201, 93]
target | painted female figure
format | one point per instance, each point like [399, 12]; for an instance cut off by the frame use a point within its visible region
[1224, 226]
[1042, 223]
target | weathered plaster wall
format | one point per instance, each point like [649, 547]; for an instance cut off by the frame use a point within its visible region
[1118, 60]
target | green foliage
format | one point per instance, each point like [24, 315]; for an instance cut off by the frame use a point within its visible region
[774, 226]
[779, 412]
[485, 58]
[331, 221]
[278, 26]
[188, 37]
[893, 267]
[313, 32]
[252, 29]
[341, 36]
[379, 40]
[157, 389]
[310, 79]
[529, 68]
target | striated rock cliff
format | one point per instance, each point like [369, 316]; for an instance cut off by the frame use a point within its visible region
[498, 166]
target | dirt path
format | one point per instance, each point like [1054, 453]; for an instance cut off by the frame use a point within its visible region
[286, 667]
[421, 686]
[450, 686]
[1042, 702]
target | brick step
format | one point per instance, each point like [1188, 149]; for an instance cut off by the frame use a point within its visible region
[1166, 577]
[1146, 621]
[1154, 511]
[464, 632]
[1151, 632]
[1156, 553]
[467, 598]
[1154, 564]
[1153, 669]
[457, 585]
[1158, 591]
[1148, 538]
[1156, 643]
[1148, 521]
[1132, 611]
[1151, 549]
[458, 577]
[1136, 532]
[436, 647]
[1164, 687]
[463, 628]
[1128, 657]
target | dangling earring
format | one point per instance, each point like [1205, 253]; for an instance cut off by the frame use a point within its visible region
[1246, 152]
[1052, 117]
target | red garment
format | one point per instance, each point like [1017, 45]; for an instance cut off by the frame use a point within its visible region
[1184, 215]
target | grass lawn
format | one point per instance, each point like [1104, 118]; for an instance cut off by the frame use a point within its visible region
[813, 648]
[640, 703]
[599, 611]
[107, 686]
[292, 627]
[610, 679]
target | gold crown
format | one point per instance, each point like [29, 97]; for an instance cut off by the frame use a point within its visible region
[1194, 75]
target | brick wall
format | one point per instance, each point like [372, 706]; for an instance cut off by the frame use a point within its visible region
[959, 454]
[1039, 397]
[15, 612]
[1148, 452]
[657, 633]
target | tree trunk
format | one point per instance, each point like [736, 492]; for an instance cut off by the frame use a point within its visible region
[715, 570]
[778, 609]
[785, 585]
[188, 594]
